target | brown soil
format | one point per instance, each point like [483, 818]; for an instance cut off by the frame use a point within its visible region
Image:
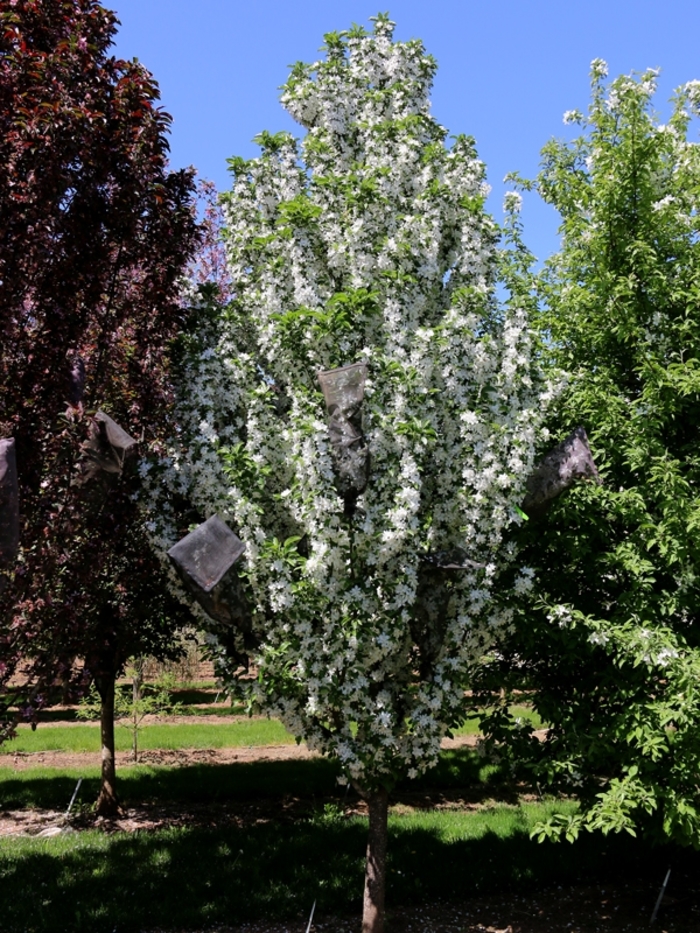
[570, 909]
[21, 761]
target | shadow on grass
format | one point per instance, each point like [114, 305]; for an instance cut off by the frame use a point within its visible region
[202, 783]
[190, 879]
[199, 783]
[58, 715]
[194, 877]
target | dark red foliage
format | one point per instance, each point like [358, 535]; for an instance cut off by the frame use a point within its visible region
[94, 233]
[209, 266]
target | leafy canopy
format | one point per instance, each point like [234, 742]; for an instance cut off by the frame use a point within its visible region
[96, 232]
[611, 648]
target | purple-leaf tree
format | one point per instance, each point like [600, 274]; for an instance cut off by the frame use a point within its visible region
[96, 232]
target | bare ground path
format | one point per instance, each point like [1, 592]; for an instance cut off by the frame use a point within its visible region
[57, 759]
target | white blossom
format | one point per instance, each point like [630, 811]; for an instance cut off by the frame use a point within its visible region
[512, 202]
[365, 241]
[599, 68]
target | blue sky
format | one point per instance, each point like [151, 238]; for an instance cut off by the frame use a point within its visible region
[508, 69]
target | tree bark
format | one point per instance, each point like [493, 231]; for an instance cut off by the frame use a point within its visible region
[136, 685]
[107, 801]
[375, 868]
[9, 509]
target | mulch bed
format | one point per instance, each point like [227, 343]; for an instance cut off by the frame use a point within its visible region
[621, 908]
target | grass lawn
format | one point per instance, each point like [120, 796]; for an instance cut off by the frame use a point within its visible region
[471, 726]
[224, 872]
[238, 732]
[51, 788]
[193, 878]
[79, 738]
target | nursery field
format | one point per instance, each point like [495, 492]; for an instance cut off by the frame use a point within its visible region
[228, 825]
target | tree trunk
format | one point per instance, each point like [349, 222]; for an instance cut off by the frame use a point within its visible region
[375, 868]
[9, 510]
[136, 685]
[107, 802]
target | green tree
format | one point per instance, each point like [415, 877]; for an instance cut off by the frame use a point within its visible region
[133, 703]
[611, 649]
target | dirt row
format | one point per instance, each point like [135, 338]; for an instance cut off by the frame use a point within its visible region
[21, 761]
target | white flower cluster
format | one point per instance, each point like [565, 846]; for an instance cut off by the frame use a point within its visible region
[561, 615]
[512, 202]
[368, 243]
[599, 68]
[572, 116]
[692, 93]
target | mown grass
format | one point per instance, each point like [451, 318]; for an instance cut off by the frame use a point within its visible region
[197, 877]
[471, 726]
[238, 732]
[193, 878]
[201, 783]
[86, 738]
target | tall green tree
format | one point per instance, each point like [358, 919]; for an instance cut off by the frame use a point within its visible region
[96, 232]
[612, 647]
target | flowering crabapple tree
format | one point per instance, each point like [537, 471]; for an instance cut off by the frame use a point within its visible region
[374, 513]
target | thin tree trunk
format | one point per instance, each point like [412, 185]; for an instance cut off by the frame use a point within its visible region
[375, 868]
[107, 802]
[136, 685]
